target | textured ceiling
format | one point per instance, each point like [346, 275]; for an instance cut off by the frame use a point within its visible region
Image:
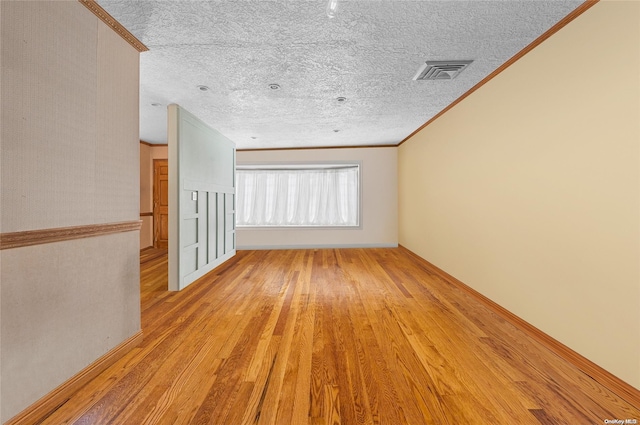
[368, 53]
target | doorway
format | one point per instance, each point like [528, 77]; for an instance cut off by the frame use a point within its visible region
[161, 203]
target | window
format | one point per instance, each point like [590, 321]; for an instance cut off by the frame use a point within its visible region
[298, 195]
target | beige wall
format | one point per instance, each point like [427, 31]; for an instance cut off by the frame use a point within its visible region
[147, 155]
[379, 201]
[69, 156]
[146, 196]
[529, 189]
[146, 179]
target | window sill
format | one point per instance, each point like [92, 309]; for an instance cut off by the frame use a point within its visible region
[357, 227]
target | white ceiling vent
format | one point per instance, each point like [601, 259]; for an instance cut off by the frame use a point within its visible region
[441, 70]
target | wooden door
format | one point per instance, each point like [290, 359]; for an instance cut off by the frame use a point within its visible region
[160, 203]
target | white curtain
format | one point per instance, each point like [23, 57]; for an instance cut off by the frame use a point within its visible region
[313, 196]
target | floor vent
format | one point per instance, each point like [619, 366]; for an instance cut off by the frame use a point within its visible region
[441, 70]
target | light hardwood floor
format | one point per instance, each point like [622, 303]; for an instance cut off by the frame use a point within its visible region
[334, 336]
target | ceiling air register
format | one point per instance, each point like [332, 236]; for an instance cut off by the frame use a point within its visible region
[441, 70]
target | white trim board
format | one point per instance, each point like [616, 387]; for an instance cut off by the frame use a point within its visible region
[320, 246]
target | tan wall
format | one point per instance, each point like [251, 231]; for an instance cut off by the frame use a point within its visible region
[146, 182]
[379, 201]
[69, 156]
[146, 196]
[529, 189]
[147, 155]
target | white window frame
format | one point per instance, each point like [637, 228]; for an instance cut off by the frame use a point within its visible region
[305, 165]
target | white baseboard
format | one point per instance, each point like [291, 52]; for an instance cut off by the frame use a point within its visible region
[314, 246]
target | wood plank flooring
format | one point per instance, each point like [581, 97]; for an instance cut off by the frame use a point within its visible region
[333, 336]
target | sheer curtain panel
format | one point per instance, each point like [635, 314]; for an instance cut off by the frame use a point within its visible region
[297, 195]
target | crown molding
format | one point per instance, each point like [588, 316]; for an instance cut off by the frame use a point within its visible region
[104, 16]
[302, 148]
[554, 29]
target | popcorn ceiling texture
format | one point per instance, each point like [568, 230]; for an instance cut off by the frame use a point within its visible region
[368, 53]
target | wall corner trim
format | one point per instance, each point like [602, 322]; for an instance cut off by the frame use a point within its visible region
[59, 234]
[105, 17]
[44, 407]
[595, 372]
